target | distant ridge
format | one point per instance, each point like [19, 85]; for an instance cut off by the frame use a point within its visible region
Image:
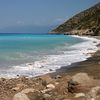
[84, 23]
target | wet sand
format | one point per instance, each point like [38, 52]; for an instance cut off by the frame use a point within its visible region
[90, 66]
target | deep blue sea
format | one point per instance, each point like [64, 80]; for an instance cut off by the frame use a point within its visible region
[32, 55]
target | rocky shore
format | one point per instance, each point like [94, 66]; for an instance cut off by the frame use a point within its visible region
[80, 82]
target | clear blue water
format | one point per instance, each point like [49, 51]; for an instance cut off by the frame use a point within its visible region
[17, 49]
[32, 55]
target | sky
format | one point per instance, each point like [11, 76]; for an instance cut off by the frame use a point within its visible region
[31, 16]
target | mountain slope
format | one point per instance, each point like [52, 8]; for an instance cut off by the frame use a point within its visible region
[84, 23]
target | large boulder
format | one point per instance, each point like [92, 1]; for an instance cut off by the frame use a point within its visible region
[82, 78]
[93, 94]
[80, 83]
[20, 96]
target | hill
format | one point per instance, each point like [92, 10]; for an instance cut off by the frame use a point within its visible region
[85, 23]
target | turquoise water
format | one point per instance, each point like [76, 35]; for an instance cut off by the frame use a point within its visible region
[17, 49]
[33, 55]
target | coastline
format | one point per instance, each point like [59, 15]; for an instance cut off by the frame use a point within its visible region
[60, 78]
[78, 66]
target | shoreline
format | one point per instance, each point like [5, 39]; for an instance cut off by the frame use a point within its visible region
[85, 49]
[53, 85]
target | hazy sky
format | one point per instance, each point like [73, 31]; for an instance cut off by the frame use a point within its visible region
[38, 15]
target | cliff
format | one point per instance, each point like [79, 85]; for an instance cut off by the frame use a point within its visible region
[85, 23]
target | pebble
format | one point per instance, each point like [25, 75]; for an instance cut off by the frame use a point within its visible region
[79, 95]
[57, 77]
[15, 89]
[25, 91]
[46, 95]
[51, 86]
[45, 90]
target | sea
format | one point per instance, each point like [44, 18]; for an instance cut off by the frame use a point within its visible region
[37, 54]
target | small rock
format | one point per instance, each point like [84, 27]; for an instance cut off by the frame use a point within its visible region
[57, 77]
[20, 96]
[15, 89]
[18, 75]
[79, 95]
[46, 96]
[72, 82]
[50, 70]
[44, 83]
[25, 91]
[21, 85]
[46, 78]
[73, 86]
[50, 86]
[98, 62]
[2, 79]
[56, 83]
[45, 90]
[94, 41]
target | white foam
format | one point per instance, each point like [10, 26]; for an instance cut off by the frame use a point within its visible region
[51, 63]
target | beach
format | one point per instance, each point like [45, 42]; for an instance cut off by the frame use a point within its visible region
[79, 81]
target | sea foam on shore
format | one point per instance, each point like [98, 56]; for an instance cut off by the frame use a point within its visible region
[51, 63]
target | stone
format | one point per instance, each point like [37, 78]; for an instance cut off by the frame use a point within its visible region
[92, 95]
[15, 88]
[2, 79]
[21, 85]
[46, 96]
[57, 77]
[98, 62]
[56, 83]
[82, 78]
[79, 95]
[73, 86]
[72, 82]
[44, 83]
[45, 90]
[47, 79]
[20, 96]
[50, 70]
[50, 86]
[25, 91]
[94, 41]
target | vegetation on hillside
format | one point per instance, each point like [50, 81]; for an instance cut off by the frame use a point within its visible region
[87, 20]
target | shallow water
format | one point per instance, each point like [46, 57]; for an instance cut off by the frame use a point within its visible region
[32, 55]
